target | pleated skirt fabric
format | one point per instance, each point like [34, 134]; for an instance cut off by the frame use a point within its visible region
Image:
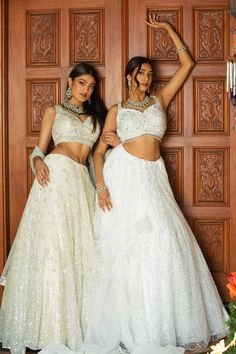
[155, 289]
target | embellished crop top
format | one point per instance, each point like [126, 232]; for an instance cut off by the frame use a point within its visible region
[68, 128]
[132, 123]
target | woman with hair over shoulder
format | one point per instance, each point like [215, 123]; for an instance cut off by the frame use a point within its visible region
[52, 269]
[156, 294]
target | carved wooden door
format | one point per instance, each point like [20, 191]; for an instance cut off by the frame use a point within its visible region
[46, 39]
[199, 147]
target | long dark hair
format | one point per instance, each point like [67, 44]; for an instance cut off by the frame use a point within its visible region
[134, 63]
[95, 107]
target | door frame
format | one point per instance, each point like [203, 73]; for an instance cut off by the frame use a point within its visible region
[4, 196]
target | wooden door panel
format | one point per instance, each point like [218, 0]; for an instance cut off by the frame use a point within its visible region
[47, 37]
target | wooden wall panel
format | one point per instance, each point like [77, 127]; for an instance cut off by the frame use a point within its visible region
[199, 147]
[211, 177]
[43, 37]
[42, 93]
[173, 158]
[160, 46]
[212, 236]
[210, 106]
[4, 188]
[210, 26]
[87, 36]
[174, 110]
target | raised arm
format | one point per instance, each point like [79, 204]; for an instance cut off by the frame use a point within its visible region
[186, 63]
[104, 200]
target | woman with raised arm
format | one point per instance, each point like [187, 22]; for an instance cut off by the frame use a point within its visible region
[156, 294]
[52, 268]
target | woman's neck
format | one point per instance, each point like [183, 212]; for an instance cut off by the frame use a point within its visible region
[137, 96]
[75, 102]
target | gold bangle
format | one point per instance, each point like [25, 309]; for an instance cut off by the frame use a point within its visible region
[181, 49]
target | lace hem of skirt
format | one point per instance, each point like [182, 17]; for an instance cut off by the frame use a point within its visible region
[19, 349]
[202, 345]
[193, 347]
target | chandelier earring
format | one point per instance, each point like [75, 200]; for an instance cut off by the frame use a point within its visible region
[129, 84]
[68, 93]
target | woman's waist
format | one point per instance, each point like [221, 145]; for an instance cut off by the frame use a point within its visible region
[75, 151]
[146, 147]
[138, 135]
[147, 139]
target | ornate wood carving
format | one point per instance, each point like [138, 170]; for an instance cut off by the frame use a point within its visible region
[160, 46]
[211, 176]
[210, 25]
[87, 36]
[41, 94]
[173, 158]
[174, 110]
[212, 238]
[43, 38]
[211, 108]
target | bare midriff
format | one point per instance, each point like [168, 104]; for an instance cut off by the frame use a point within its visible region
[145, 147]
[74, 150]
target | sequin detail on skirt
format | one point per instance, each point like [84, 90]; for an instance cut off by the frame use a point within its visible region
[51, 271]
[156, 290]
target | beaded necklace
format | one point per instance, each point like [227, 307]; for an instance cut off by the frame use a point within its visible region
[138, 104]
[74, 109]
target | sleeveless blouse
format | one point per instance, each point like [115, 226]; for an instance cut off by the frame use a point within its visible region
[68, 128]
[132, 123]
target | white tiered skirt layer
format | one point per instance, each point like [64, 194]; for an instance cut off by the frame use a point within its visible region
[156, 292]
[51, 271]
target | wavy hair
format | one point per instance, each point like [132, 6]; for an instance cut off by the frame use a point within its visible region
[95, 107]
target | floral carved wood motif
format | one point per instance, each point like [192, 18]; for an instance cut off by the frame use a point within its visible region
[174, 165]
[160, 46]
[42, 94]
[211, 238]
[211, 110]
[210, 26]
[174, 117]
[42, 38]
[211, 176]
[87, 31]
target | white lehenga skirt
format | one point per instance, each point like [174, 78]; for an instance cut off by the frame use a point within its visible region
[156, 292]
[51, 272]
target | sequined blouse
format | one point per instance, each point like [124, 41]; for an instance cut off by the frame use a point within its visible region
[68, 128]
[132, 123]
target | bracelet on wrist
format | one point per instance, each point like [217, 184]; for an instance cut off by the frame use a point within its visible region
[100, 190]
[181, 49]
[37, 152]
